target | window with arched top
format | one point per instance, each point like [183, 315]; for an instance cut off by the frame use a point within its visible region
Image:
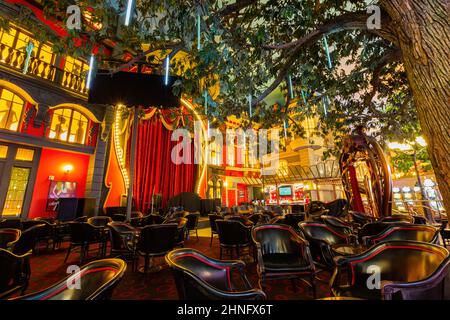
[68, 125]
[11, 110]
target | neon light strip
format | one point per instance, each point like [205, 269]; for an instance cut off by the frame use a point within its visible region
[327, 50]
[250, 105]
[188, 105]
[118, 149]
[285, 129]
[325, 104]
[166, 80]
[304, 97]
[205, 94]
[128, 15]
[290, 87]
[91, 69]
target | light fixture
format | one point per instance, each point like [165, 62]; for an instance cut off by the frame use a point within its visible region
[128, 14]
[68, 168]
[91, 70]
[166, 80]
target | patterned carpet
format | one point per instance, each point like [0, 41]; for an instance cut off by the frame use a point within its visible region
[49, 267]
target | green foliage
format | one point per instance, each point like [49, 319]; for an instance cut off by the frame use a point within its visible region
[234, 57]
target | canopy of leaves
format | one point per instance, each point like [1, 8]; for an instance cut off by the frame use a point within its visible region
[241, 52]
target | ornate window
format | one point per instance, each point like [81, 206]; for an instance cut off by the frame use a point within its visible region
[11, 109]
[68, 125]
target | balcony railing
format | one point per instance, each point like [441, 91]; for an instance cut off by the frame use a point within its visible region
[16, 59]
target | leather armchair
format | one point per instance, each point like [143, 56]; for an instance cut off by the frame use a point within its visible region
[14, 273]
[233, 234]
[259, 218]
[315, 209]
[291, 219]
[338, 223]
[199, 277]
[27, 241]
[407, 269]
[123, 240]
[83, 234]
[156, 240]
[282, 254]
[8, 237]
[337, 208]
[321, 238]
[192, 223]
[361, 218]
[405, 232]
[398, 218]
[99, 221]
[212, 223]
[14, 223]
[181, 222]
[98, 280]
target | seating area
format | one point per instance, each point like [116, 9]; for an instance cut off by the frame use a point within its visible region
[234, 256]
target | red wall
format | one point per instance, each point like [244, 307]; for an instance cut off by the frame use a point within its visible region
[51, 164]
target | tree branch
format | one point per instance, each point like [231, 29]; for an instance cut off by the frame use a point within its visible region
[235, 7]
[391, 56]
[347, 21]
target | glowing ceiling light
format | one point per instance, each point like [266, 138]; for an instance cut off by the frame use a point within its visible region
[166, 80]
[91, 69]
[128, 14]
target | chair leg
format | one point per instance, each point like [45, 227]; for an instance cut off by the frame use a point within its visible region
[68, 253]
[313, 286]
[196, 233]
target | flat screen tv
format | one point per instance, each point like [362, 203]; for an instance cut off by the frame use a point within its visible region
[60, 189]
[285, 191]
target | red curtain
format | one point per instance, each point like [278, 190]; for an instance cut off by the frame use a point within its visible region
[155, 170]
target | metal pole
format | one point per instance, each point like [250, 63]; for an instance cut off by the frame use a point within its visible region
[132, 161]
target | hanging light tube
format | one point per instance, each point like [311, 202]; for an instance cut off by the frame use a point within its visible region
[166, 79]
[198, 33]
[250, 105]
[128, 14]
[205, 94]
[91, 70]
[285, 129]
[327, 50]
[290, 87]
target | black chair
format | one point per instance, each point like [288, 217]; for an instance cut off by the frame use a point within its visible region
[283, 254]
[360, 218]
[27, 241]
[419, 220]
[199, 277]
[337, 208]
[8, 237]
[335, 222]
[97, 279]
[156, 240]
[14, 273]
[212, 223]
[290, 219]
[111, 211]
[119, 217]
[405, 232]
[321, 238]
[403, 218]
[315, 209]
[12, 223]
[406, 270]
[233, 235]
[181, 222]
[152, 219]
[81, 219]
[374, 228]
[83, 234]
[45, 233]
[259, 218]
[123, 241]
[192, 223]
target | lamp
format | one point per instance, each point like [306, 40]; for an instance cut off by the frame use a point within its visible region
[68, 168]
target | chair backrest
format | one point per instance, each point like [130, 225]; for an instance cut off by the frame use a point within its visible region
[136, 214]
[99, 221]
[119, 217]
[26, 224]
[158, 238]
[419, 220]
[14, 272]
[398, 218]
[81, 219]
[259, 218]
[406, 232]
[98, 278]
[27, 240]
[212, 221]
[322, 231]
[398, 261]
[293, 219]
[192, 221]
[110, 211]
[14, 223]
[337, 208]
[199, 277]
[277, 238]
[232, 232]
[153, 219]
[361, 218]
[8, 237]
[336, 223]
[119, 230]
[374, 228]
[82, 232]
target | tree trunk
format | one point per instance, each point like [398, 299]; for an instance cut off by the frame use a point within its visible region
[423, 32]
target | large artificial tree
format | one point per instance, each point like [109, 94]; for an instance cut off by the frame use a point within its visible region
[393, 78]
